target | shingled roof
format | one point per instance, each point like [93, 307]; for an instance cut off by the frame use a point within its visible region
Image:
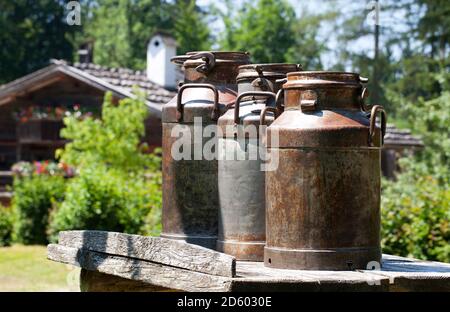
[401, 138]
[127, 78]
[120, 81]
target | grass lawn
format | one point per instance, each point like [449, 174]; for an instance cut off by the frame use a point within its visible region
[26, 268]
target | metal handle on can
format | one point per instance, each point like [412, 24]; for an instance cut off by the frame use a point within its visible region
[282, 80]
[207, 57]
[215, 112]
[261, 82]
[278, 104]
[179, 59]
[262, 117]
[364, 95]
[373, 117]
[249, 93]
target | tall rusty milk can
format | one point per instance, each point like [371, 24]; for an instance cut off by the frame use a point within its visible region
[323, 199]
[190, 191]
[242, 228]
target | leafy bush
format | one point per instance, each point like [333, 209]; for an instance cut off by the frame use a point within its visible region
[104, 200]
[416, 216]
[118, 185]
[416, 207]
[6, 226]
[32, 201]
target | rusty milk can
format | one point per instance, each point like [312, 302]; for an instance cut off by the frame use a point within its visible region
[242, 229]
[323, 200]
[190, 195]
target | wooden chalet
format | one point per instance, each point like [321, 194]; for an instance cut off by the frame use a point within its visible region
[32, 107]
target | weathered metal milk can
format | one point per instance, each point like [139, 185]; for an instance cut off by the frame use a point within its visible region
[190, 194]
[242, 229]
[323, 200]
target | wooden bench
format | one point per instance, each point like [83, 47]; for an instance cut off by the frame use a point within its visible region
[122, 262]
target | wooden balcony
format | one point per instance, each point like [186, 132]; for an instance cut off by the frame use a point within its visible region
[36, 131]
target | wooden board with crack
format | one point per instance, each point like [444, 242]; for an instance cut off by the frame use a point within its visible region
[122, 262]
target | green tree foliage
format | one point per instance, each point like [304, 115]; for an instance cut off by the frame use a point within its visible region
[307, 49]
[118, 186]
[111, 31]
[263, 28]
[121, 29]
[190, 28]
[145, 17]
[31, 33]
[413, 40]
[112, 141]
[427, 49]
[122, 41]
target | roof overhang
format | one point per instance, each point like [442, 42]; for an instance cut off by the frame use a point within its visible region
[56, 72]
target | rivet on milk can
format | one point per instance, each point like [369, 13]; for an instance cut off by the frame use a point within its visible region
[323, 199]
[242, 228]
[190, 192]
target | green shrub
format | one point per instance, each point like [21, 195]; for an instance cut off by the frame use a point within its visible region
[118, 185]
[416, 214]
[153, 194]
[416, 207]
[6, 226]
[100, 199]
[33, 198]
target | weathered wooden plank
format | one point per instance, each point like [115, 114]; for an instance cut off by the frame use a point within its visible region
[92, 281]
[151, 261]
[254, 276]
[407, 274]
[155, 249]
[401, 264]
[138, 270]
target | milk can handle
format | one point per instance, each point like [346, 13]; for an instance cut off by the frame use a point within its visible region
[363, 96]
[207, 57]
[262, 117]
[278, 105]
[364, 92]
[373, 117]
[261, 82]
[249, 93]
[215, 113]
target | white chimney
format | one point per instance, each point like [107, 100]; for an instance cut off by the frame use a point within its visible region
[161, 48]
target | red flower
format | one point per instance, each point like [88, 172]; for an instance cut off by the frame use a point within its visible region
[38, 167]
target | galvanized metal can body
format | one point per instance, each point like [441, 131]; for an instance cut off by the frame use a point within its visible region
[242, 227]
[190, 192]
[323, 199]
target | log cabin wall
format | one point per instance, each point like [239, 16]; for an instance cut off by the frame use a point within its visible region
[7, 136]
